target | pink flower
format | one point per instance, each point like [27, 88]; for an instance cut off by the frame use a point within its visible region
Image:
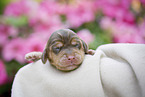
[80, 14]
[50, 6]
[40, 17]
[86, 35]
[129, 38]
[22, 7]
[107, 23]
[45, 22]
[6, 32]
[3, 73]
[119, 10]
[30, 10]
[125, 33]
[142, 1]
[16, 8]
[46, 14]
[35, 43]
[15, 49]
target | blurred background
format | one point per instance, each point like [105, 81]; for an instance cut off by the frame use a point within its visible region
[25, 26]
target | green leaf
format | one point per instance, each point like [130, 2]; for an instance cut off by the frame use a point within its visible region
[17, 21]
[12, 67]
[3, 4]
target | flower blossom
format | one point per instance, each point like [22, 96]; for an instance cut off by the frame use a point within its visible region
[7, 31]
[35, 43]
[107, 23]
[16, 8]
[3, 74]
[122, 32]
[143, 1]
[126, 33]
[43, 21]
[86, 35]
[15, 49]
[117, 9]
[80, 14]
[22, 7]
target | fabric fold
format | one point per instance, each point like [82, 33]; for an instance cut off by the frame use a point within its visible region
[115, 70]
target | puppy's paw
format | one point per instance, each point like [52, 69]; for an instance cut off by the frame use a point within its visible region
[91, 52]
[33, 56]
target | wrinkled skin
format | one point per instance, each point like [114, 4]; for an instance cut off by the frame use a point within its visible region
[64, 50]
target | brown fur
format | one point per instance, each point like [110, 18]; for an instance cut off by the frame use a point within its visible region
[62, 44]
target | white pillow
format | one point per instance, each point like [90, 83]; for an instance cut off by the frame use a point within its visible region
[116, 70]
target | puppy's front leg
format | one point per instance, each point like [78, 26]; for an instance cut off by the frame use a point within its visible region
[33, 56]
[91, 52]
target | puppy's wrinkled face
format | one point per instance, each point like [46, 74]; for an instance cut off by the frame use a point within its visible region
[64, 50]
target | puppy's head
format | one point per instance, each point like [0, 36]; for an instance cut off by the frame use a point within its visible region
[64, 50]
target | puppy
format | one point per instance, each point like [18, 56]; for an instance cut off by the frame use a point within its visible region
[64, 50]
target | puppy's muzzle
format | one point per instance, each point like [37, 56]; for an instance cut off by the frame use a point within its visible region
[70, 60]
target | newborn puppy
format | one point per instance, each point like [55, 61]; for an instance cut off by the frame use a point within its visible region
[64, 50]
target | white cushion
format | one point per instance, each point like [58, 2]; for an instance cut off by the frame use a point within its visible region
[116, 70]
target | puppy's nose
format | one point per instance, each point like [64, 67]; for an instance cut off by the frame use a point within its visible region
[71, 58]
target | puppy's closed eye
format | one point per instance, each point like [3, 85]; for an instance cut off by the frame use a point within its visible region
[57, 47]
[76, 43]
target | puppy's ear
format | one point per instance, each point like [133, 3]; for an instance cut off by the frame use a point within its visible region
[85, 47]
[44, 56]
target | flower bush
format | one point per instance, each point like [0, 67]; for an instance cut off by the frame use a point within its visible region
[25, 26]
